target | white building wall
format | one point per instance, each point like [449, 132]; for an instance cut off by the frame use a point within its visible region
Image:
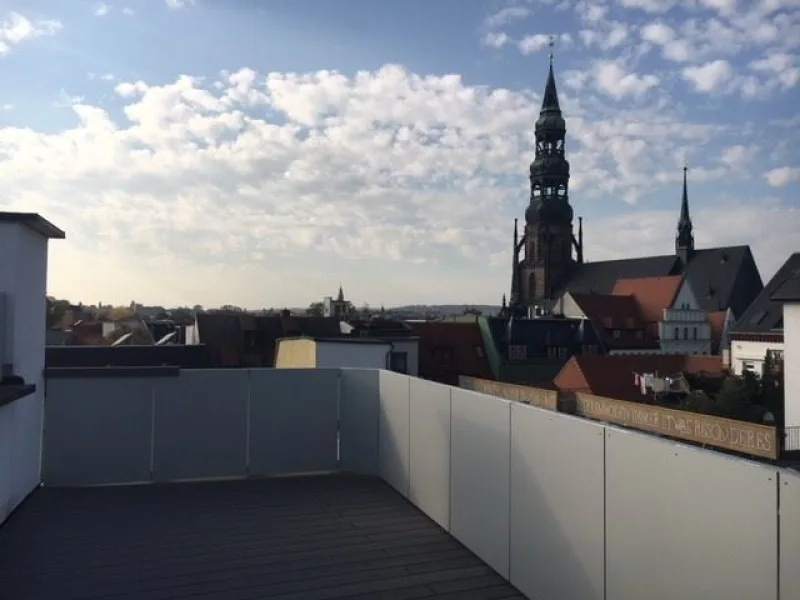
[192, 334]
[752, 354]
[567, 307]
[791, 374]
[352, 354]
[693, 335]
[411, 348]
[23, 279]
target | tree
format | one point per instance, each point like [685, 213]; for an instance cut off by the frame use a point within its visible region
[56, 309]
[738, 395]
[120, 313]
[700, 402]
[315, 309]
[230, 308]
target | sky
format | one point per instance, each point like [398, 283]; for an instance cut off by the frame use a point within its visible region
[261, 153]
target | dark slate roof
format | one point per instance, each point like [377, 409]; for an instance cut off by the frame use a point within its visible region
[723, 278]
[790, 290]
[720, 277]
[34, 222]
[765, 313]
[600, 277]
[306, 538]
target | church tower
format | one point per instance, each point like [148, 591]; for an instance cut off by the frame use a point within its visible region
[684, 240]
[548, 239]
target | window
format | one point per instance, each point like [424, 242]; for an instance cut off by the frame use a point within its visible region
[748, 366]
[517, 352]
[562, 352]
[677, 334]
[398, 362]
[694, 333]
[686, 333]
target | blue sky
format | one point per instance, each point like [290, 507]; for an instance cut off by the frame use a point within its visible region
[260, 153]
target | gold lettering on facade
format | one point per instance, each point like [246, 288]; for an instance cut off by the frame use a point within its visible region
[740, 436]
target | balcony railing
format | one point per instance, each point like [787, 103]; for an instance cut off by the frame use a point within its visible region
[791, 439]
[560, 506]
[683, 315]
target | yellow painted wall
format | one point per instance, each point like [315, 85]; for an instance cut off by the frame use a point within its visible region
[296, 354]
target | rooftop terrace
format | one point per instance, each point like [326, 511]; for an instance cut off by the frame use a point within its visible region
[309, 538]
[425, 476]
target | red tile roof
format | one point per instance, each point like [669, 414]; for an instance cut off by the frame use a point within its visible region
[652, 294]
[450, 349]
[613, 376]
[717, 322]
[615, 313]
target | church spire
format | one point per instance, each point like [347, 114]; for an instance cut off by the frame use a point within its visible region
[684, 241]
[550, 99]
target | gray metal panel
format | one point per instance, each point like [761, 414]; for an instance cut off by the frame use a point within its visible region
[97, 431]
[6, 458]
[480, 476]
[200, 425]
[359, 398]
[684, 522]
[429, 481]
[293, 420]
[789, 551]
[557, 512]
[393, 430]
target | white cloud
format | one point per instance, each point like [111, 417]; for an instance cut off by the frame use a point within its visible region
[592, 12]
[178, 4]
[16, 28]
[276, 187]
[738, 157]
[531, 44]
[128, 12]
[534, 43]
[613, 80]
[506, 15]
[650, 6]
[101, 10]
[708, 77]
[725, 7]
[496, 39]
[658, 33]
[781, 66]
[783, 176]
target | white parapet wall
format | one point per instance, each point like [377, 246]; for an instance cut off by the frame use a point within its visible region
[23, 284]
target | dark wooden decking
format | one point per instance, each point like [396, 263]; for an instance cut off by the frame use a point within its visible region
[299, 538]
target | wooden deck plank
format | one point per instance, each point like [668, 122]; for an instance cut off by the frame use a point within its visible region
[314, 538]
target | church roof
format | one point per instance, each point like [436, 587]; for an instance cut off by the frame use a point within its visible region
[766, 311]
[720, 277]
[652, 294]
